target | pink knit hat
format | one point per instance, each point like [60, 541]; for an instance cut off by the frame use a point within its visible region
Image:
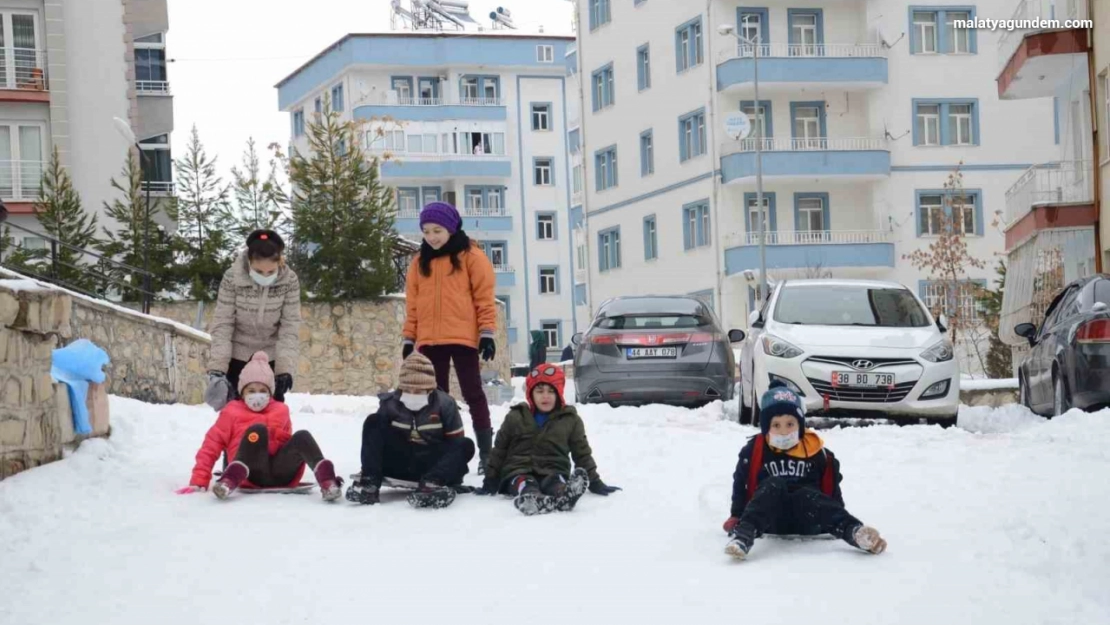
[257, 370]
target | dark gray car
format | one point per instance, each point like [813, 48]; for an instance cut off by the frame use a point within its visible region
[655, 349]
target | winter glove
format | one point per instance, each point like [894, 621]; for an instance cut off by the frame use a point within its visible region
[598, 487]
[218, 392]
[489, 488]
[189, 490]
[730, 524]
[283, 383]
[487, 348]
[406, 350]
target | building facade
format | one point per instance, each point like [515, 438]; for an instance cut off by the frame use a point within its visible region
[866, 109]
[481, 121]
[67, 68]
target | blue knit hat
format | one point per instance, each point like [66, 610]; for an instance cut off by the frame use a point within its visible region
[779, 400]
[441, 214]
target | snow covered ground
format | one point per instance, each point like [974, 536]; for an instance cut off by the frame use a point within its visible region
[1001, 520]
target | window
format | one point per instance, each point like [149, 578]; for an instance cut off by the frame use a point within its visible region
[933, 30]
[643, 67]
[422, 144]
[429, 195]
[548, 281]
[150, 55]
[599, 13]
[504, 299]
[581, 249]
[688, 45]
[541, 171]
[469, 88]
[545, 54]
[156, 164]
[319, 105]
[603, 88]
[753, 30]
[298, 123]
[541, 117]
[808, 120]
[811, 212]
[937, 208]
[408, 201]
[946, 122]
[545, 227]
[806, 31]
[605, 165]
[751, 215]
[576, 180]
[484, 201]
[550, 331]
[480, 90]
[761, 127]
[388, 140]
[647, 153]
[691, 135]
[427, 90]
[651, 239]
[958, 38]
[476, 143]
[695, 225]
[924, 32]
[497, 253]
[337, 98]
[833, 305]
[33, 244]
[403, 86]
[960, 299]
[609, 249]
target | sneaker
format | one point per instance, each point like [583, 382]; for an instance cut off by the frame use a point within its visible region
[363, 492]
[868, 539]
[330, 485]
[234, 475]
[740, 542]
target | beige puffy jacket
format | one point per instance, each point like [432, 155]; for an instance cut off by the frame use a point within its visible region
[251, 318]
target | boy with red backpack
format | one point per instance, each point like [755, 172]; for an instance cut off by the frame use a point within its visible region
[788, 482]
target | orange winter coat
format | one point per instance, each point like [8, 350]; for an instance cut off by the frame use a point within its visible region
[224, 437]
[451, 307]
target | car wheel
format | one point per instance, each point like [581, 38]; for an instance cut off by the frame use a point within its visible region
[1060, 403]
[1023, 392]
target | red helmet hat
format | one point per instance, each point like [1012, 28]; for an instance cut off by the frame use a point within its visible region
[546, 374]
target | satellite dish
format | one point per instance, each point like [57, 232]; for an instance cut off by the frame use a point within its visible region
[738, 125]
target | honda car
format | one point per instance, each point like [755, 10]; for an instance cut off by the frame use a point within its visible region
[851, 348]
[667, 350]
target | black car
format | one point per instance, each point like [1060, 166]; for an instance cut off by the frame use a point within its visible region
[1069, 364]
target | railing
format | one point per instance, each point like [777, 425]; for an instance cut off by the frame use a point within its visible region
[483, 211]
[433, 156]
[811, 237]
[798, 145]
[23, 68]
[503, 269]
[796, 50]
[386, 100]
[1061, 182]
[152, 87]
[21, 180]
[158, 187]
[1020, 24]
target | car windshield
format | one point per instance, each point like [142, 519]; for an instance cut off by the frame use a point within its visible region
[843, 305]
[650, 322]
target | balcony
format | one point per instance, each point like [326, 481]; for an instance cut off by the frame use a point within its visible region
[1035, 61]
[21, 181]
[823, 249]
[23, 75]
[433, 109]
[506, 275]
[475, 219]
[1048, 196]
[159, 187]
[410, 165]
[153, 87]
[858, 158]
[782, 67]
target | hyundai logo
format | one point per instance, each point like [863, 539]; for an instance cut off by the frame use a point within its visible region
[863, 365]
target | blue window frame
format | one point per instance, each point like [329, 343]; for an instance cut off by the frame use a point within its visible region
[602, 87]
[946, 121]
[691, 135]
[766, 117]
[319, 105]
[753, 24]
[609, 249]
[547, 226]
[580, 295]
[337, 98]
[497, 252]
[643, 67]
[688, 45]
[403, 86]
[807, 124]
[811, 212]
[543, 171]
[479, 89]
[553, 334]
[751, 217]
[605, 168]
[647, 153]
[541, 116]
[408, 200]
[965, 211]
[961, 299]
[599, 13]
[933, 30]
[483, 200]
[651, 238]
[695, 225]
[430, 194]
[298, 123]
[807, 31]
[549, 279]
[427, 89]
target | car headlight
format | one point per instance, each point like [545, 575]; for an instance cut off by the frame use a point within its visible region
[774, 346]
[940, 389]
[940, 352]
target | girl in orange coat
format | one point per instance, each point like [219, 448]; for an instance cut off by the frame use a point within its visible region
[451, 312]
[256, 432]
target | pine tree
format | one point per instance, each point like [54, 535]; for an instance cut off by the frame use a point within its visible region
[15, 257]
[342, 216]
[999, 355]
[204, 240]
[62, 217]
[258, 202]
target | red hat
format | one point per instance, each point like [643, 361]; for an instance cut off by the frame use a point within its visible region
[546, 374]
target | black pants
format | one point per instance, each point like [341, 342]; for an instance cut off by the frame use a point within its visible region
[387, 453]
[469, 371]
[549, 485]
[779, 508]
[280, 468]
[235, 368]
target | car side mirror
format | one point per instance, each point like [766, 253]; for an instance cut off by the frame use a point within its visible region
[753, 319]
[942, 323]
[736, 336]
[576, 340]
[1027, 330]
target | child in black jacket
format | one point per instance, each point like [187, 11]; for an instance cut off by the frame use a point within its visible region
[787, 482]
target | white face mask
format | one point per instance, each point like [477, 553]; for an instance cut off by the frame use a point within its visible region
[784, 441]
[415, 401]
[262, 280]
[257, 401]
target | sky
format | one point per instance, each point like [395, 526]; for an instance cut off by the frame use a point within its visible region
[226, 58]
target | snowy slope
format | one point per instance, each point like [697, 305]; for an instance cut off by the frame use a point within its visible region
[1004, 526]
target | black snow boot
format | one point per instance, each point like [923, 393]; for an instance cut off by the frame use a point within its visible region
[573, 491]
[485, 444]
[431, 494]
[740, 541]
[363, 491]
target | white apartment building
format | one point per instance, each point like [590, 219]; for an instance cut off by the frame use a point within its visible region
[67, 68]
[867, 107]
[481, 121]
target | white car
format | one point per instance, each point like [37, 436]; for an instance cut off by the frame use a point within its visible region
[851, 349]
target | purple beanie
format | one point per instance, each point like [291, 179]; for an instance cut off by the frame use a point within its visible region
[441, 214]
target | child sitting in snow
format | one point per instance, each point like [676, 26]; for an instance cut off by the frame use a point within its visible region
[787, 482]
[531, 455]
[256, 433]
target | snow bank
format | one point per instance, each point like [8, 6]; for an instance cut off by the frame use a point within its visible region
[988, 384]
[21, 284]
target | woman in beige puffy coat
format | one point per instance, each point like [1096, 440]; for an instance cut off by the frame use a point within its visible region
[258, 309]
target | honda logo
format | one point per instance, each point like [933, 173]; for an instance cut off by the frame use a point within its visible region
[863, 365]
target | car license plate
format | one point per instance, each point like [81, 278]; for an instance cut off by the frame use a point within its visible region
[852, 378]
[636, 353]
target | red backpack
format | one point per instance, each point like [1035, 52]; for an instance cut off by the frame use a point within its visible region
[827, 481]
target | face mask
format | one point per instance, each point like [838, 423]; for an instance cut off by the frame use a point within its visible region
[415, 401]
[262, 280]
[784, 441]
[257, 401]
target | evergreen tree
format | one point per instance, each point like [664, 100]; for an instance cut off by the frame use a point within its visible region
[258, 203]
[999, 355]
[16, 257]
[62, 217]
[342, 216]
[204, 241]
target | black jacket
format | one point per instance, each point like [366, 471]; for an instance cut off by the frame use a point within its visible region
[436, 422]
[803, 467]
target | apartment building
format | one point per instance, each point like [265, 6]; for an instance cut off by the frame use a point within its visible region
[67, 68]
[865, 108]
[476, 119]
